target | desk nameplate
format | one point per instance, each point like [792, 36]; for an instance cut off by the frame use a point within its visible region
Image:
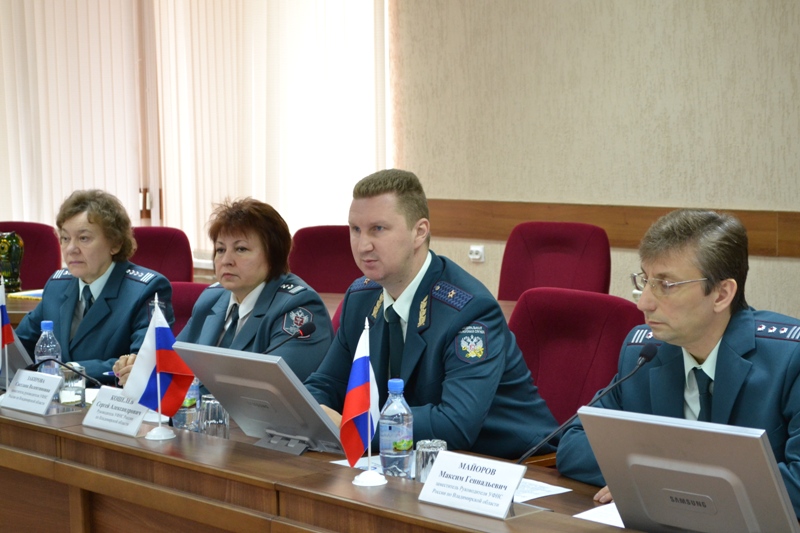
[115, 412]
[473, 484]
[32, 392]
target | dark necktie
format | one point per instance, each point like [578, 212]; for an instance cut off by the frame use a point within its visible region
[87, 299]
[230, 333]
[396, 342]
[704, 386]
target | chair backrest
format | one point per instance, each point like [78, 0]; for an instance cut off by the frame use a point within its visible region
[41, 255]
[321, 256]
[184, 296]
[337, 316]
[571, 255]
[165, 250]
[571, 342]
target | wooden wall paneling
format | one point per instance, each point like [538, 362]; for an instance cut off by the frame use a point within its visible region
[789, 234]
[762, 231]
[770, 233]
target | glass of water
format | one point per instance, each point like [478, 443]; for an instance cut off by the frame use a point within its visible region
[73, 391]
[427, 450]
[214, 419]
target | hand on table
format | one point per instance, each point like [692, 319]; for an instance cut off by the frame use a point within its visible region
[603, 495]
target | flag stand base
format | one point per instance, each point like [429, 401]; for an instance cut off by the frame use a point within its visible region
[370, 478]
[160, 433]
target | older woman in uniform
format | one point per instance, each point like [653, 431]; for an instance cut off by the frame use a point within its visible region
[101, 303]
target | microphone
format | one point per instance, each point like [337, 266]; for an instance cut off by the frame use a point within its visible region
[304, 331]
[35, 366]
[648, 352]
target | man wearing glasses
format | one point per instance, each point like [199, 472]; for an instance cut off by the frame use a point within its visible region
[718, 359]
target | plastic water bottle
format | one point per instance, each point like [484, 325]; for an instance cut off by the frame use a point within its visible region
[188, 414]
[396, 430]
[47, 348]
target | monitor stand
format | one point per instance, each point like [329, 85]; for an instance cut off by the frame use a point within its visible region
[284, 443]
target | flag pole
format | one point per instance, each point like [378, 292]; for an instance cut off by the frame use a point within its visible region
[371, 434]
[160, 432]
[5, 363]
[158, 392]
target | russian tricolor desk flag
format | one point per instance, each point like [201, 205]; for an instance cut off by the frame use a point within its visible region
[156, 357]
[360, 413]
[6, 332]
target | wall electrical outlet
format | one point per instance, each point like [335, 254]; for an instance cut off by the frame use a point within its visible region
[476, 253]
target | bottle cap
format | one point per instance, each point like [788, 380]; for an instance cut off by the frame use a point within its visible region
[47, 325]
[396, 385]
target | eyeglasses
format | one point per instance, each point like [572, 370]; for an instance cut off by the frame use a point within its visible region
[660, 287]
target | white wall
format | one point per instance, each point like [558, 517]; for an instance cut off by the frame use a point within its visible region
[618, 102]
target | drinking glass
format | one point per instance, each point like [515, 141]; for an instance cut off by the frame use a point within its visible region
[214, 419]
[73, 391]
[427, 450]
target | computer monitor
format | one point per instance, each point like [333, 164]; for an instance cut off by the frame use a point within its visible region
[18, 359]
[672, 474]
[264, 397]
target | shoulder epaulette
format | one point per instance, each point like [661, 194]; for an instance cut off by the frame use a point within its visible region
[61, 274]
[451, 295]
[641, 335]
[777, 330]
[377, 307]
[142, 276]
[291, 288]
[364, 283]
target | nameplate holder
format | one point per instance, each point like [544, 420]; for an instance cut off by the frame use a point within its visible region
[32, 392]
[113, 411]
[474, 484]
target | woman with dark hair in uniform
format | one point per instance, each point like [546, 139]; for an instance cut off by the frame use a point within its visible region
[256, 302]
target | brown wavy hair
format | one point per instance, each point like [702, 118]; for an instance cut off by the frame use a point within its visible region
[105, 210]
[249, 215]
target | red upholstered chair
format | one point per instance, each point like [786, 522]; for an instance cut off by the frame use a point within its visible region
[41, 255]
[321, 256]
[184, 296]
[337, 315]
[571, 255]
[571, 342]
[165, 250]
